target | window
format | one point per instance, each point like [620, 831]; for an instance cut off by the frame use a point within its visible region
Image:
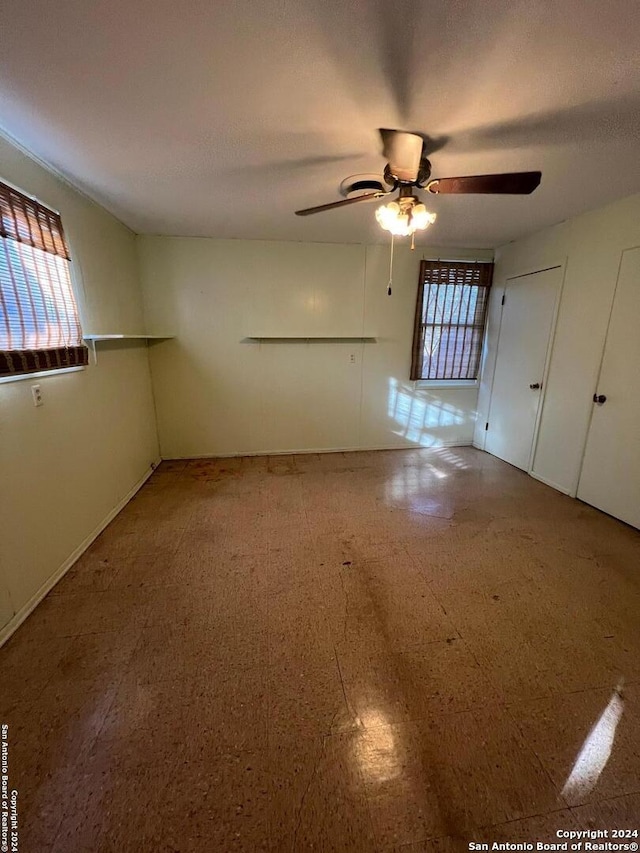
[39, 324]
[450, 317]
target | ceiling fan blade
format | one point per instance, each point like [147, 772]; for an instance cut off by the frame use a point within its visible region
[512, 183]
[403, 151]
[366, 197]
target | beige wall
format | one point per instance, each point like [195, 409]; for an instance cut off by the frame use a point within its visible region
[218, 393]
[64, 467]
[589, 247]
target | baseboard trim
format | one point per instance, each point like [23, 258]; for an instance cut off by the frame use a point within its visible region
[18, 618]
[317, 450]
[553, 485]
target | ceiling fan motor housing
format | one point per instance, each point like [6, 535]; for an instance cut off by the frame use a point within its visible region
[424, 173]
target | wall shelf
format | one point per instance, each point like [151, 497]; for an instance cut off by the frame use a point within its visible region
[340, 339]
[92, 340]
[128, 337]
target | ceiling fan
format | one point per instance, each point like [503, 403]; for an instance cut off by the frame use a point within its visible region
[408, 169]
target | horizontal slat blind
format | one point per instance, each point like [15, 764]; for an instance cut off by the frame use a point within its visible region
[450, 317]
[27, 221]
[36, 361]
[38, 313]
[38, 304]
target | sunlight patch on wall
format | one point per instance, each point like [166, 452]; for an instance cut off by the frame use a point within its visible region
[419, 416]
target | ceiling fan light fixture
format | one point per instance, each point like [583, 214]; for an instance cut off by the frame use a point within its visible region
[404, 217]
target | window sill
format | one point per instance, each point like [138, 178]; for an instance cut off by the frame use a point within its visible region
[41, 374]
[443, 384]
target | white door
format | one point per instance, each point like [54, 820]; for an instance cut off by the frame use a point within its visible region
[610, 477]
[527, 318]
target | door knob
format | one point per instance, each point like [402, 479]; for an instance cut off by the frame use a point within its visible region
[599, 399]
[534, 386]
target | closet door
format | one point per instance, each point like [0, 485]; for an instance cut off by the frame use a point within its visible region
[527, 317]
[610, 477]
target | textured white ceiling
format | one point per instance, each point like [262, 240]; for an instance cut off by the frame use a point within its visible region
[221, 117]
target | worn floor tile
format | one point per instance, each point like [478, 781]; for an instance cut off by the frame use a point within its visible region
[306, 700]
[588, 741]
[450, 774]
[620, 813]
[532, 830]
[198, 713]
[413, 683]
[89, 613]
[317, 797]
[98, 658]
[388, 602]
[88, 574]
[44, 747]
[373, 651]
[27, 663]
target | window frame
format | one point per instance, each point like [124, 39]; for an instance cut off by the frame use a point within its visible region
[438, 274]
[41, 361]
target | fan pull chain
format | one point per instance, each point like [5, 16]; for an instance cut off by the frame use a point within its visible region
[390, 268]
[413, 240]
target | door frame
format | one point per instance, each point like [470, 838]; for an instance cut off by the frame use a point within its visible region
[562, 265]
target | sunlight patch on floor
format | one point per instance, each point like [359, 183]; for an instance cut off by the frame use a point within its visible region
[595, 752]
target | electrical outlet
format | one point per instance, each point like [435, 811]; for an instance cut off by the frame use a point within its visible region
[36, 393]
[352, 358]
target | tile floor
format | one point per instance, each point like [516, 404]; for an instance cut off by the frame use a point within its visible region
[393, 651]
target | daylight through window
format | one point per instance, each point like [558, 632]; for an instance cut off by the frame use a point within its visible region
[39, 324]
[450, 317]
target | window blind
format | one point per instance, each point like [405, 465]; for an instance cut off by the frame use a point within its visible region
[450, 316]
[39, 323]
